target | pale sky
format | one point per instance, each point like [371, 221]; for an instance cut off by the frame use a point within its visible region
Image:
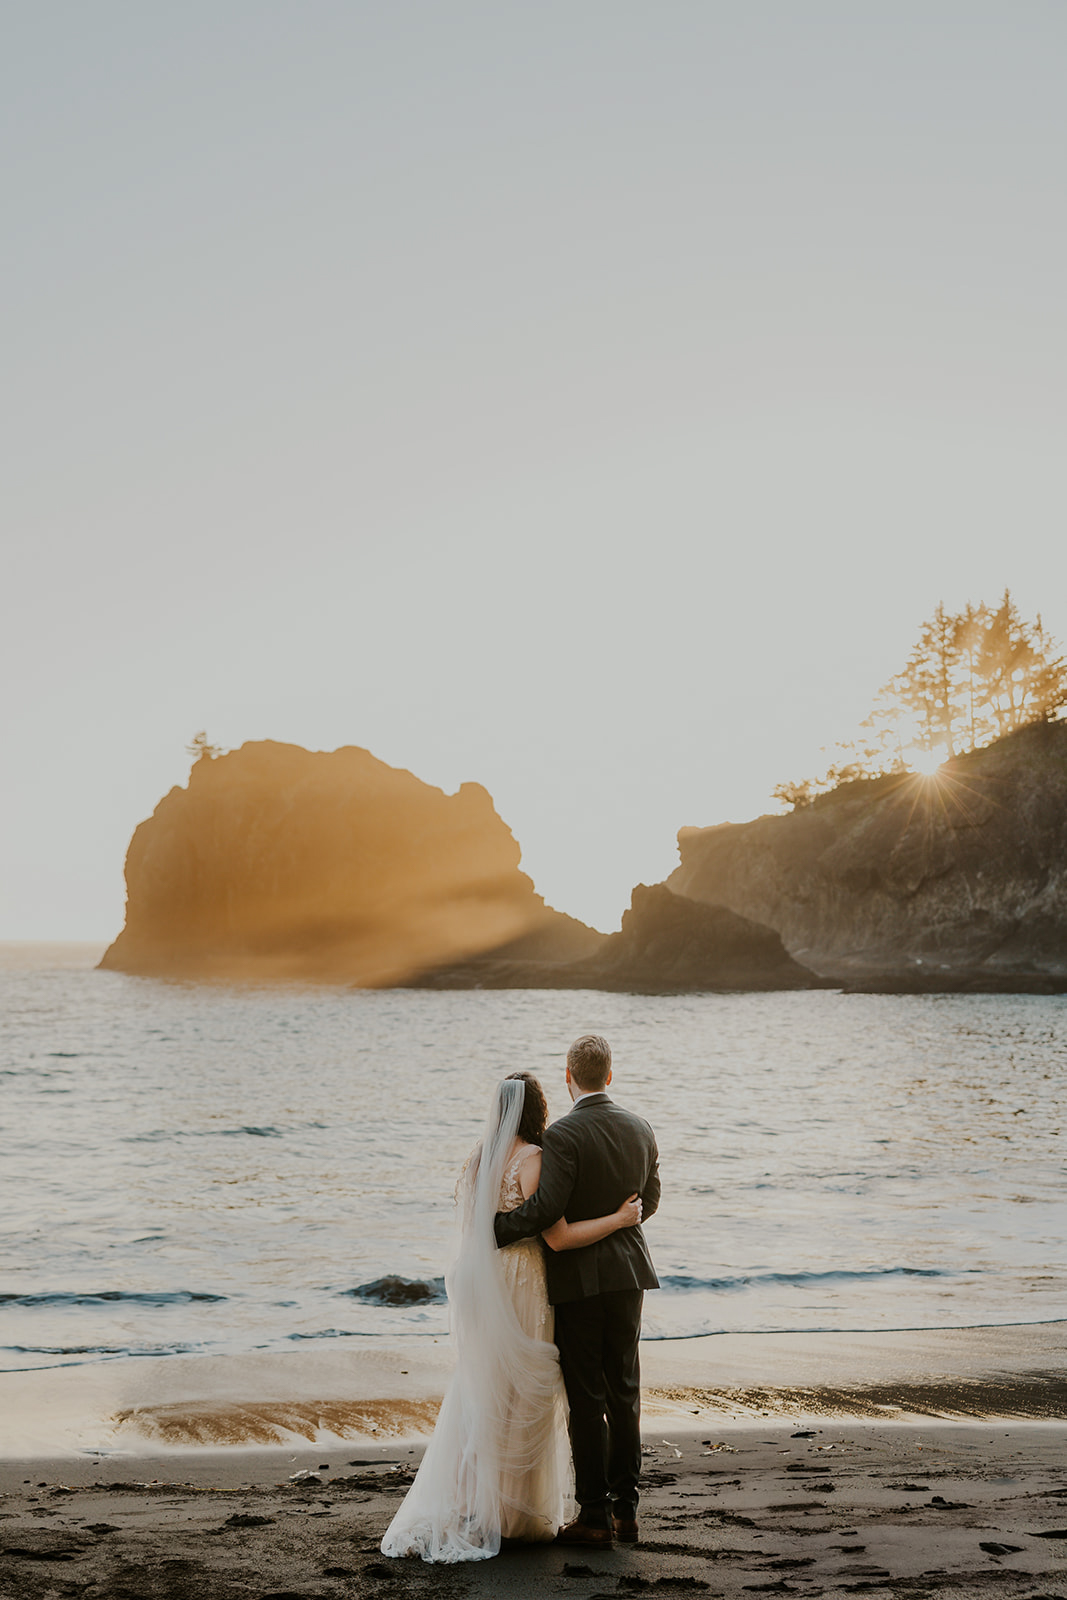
[584, 397]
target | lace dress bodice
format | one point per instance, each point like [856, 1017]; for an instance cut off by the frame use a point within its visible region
[510, 1188]
[524, 1263]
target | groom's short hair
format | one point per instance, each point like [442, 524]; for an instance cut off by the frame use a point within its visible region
[589, 1059]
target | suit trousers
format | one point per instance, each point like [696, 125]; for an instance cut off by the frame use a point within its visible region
[598, 1354]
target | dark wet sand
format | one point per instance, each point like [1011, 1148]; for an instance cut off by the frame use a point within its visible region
[910, 1464]
[831, 1509]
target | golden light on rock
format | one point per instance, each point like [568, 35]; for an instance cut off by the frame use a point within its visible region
[279, 863]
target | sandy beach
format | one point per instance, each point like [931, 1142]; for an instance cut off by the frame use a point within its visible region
[920, 1464]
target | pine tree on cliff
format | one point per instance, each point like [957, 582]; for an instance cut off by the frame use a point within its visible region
[928, 687]
[972, 677]
[976, 675]
[1049, 686]
[973, 621]
[201, 748]
[1022, 679]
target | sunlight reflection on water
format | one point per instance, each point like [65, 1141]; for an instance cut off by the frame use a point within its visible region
[828, 1161]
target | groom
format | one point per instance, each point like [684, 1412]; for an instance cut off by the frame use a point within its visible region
[594, 1158]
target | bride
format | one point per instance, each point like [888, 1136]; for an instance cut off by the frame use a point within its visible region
[498, 1465]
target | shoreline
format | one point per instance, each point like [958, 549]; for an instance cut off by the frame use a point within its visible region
[665, 1429]
[389, 1389]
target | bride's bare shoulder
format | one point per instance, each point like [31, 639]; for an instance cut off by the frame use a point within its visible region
[528, 1163]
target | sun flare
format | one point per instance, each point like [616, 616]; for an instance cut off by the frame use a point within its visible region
[927, 763]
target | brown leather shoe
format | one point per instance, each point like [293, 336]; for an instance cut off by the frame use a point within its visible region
[584, 1533]
[625, 1529]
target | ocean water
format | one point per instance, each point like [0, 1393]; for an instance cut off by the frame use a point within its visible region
[193, 1168]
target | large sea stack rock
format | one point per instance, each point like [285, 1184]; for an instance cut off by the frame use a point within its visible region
[282, 863]
[667, 945]
[958, 881]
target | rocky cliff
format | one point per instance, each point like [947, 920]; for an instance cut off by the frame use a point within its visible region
[282, 863]
[667, 944]
[958, 881]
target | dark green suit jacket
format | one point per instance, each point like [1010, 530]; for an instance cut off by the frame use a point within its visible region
[594, 1157]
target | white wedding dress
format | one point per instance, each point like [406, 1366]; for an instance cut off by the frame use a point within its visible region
[498, 1465]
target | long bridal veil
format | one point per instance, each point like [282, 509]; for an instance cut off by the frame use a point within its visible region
[500, 1434]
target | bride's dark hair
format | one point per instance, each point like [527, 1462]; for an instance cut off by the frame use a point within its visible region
[531, 1129]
